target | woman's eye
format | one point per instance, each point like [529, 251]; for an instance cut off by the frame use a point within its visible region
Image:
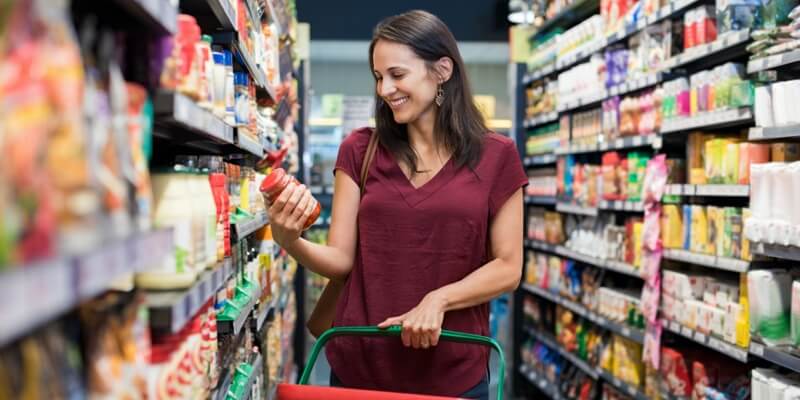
[397, 76]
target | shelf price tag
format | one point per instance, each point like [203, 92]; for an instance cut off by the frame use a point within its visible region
[757, 349]
[685, 331]
[700, 337]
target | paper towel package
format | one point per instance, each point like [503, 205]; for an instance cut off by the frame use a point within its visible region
[769, 294]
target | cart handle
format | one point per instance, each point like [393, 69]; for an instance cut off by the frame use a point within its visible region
[446, 335]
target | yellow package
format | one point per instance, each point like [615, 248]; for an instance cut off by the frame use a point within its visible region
[745, 244]
[695, 157]
[699, 230]
[743, 319]
[638, 230]
[730, 163]
[672, 227]
[628, 364]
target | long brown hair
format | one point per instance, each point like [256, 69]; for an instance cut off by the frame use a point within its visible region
[459, 125]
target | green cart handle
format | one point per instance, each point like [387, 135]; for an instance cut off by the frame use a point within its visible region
[446, 335]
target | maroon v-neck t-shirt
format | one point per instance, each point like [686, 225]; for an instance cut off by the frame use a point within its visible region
[412, 241]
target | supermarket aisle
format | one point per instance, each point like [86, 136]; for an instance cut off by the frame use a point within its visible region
[136, 258]
[656, 135]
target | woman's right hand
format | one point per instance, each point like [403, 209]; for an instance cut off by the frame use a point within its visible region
[289, 212]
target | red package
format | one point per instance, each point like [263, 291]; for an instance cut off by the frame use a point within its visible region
[675, 375]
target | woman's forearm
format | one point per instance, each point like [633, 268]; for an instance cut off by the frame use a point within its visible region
[482, 285]
[328, 261]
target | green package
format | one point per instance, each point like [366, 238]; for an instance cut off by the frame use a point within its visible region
[742, 94]
[732, 236]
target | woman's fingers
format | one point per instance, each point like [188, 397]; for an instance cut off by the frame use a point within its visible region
[300, 210]
[294, 197]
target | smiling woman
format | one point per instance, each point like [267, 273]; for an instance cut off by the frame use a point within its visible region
[426, 222]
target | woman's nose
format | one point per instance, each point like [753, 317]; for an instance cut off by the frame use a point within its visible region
[386, 88]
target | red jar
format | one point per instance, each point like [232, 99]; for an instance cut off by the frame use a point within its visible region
[273, 186]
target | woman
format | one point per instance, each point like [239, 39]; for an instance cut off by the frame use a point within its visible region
[438, 231]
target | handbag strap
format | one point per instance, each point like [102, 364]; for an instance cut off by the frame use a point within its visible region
[372, 148]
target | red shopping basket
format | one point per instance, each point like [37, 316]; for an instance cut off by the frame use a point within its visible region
[301, 391]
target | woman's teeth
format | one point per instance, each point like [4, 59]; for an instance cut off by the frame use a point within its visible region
[398, 102]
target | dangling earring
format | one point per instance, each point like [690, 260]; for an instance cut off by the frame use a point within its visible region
[439, 96]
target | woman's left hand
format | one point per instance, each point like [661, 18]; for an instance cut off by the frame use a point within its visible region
[422, 325]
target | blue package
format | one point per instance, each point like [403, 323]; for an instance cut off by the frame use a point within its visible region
[687, 226]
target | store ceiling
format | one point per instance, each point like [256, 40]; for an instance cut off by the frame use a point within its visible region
[470, 20]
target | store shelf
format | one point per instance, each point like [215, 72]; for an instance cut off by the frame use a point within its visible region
[274, 16]
[776, 132]
[776, 355]
[636, 84]
[728, 349]
[541, 292]
[622, 386]
[258, 76]
[724, 43]
[633, 334]
[777, 251]
[188, 121]
[576, 57]
[723, 263]
[576, 209]
[539, 74]
[540, 120]
[159, 15]
[242, 229]
[547, 387]
[576, 12]
[258, 365]
[539, 245]
[224, 12]
[708, 190]
[235, 326]
[69, 281]
[622, 268]
[620, 205]
[543, 159]
[713, 119]
[582, 101]
[630, 142]
[779, 60]
[250, 145]
[171, 310]
[540, 200]
[613, 265]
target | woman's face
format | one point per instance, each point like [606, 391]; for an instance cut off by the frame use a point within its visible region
[403, 81]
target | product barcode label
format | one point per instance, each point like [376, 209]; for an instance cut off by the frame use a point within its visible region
[631, 391]
[626, 331]
[674, 326]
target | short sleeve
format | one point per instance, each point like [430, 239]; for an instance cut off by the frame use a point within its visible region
[351, 153]
[509, 177]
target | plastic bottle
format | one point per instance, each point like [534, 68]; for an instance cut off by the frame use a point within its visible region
[219, 83]
[206, 65]
[242, 99]
[273, 186]
[229, 89]
[206, 200]
[170, 190]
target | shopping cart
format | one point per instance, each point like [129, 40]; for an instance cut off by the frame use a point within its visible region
[301, 391]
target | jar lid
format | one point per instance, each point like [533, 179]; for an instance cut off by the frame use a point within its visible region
[272, 180]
